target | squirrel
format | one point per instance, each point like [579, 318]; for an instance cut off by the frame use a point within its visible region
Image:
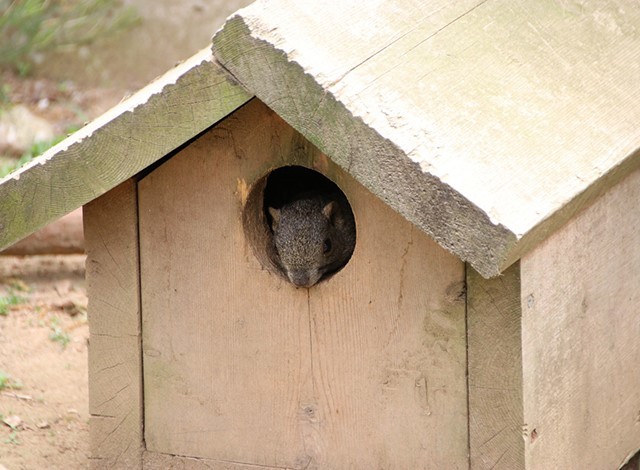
[314, 235]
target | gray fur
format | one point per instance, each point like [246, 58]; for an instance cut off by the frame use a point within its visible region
[302, 231]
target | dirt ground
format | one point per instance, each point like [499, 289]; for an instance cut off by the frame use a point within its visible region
[43, 316]
[43, 363]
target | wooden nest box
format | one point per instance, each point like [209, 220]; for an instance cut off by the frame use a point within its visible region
[489, 317]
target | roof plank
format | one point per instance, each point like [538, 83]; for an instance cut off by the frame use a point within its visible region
[117, 145]
[486, 123]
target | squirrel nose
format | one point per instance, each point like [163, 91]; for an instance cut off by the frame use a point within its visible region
[303, 278]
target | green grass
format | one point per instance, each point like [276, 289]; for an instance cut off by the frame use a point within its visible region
[13, 438]
[58, 335]
[32, 27]
[7, 382]
[34, 151]
[11, 299]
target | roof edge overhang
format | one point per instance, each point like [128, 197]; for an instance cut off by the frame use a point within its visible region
[248, 50]
[117, 145]
[377, 163]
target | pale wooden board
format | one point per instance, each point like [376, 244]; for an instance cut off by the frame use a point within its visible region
[122, 142]
[64, 236]
[115, 362]
[495, 371]
[487, 123]
[158, 461]
[388, 343]
[364, 371]
[580, 334]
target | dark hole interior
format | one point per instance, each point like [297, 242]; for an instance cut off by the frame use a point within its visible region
[289, 182]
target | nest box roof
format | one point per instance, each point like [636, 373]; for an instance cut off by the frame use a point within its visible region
[487, 125]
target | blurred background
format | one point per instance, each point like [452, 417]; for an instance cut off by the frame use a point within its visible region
[62, 64]
[66, 61]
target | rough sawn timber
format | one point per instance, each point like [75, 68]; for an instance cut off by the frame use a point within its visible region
[365, 371]
[581, 337]
[494, 351]
[122, 142]
[115, 363]
[487, 123]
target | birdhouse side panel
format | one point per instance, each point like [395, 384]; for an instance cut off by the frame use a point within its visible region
[364, 370]
[580, 336]
[495, 370]
[115, 362]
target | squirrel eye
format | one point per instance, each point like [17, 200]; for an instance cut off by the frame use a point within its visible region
[326, 246]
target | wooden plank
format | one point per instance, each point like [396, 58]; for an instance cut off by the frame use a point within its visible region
[158, 461]
[580, 330]
[366, 370]
[224, 352]
[487, 123]
[117, 145]
[388, 349]
[494, 352]
[115, 374]
[64, 236]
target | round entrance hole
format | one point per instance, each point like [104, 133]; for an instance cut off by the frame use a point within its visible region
[300, 225]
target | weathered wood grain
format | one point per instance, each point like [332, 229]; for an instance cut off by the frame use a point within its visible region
[580, 335]
[495, 371]
[158, 461]
[222, 346]
[366, 370]
[388, 343]
[115, 363]
[122, 142]
[64, 236]
[487, 123]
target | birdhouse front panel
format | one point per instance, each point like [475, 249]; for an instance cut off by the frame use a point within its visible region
[366, 369]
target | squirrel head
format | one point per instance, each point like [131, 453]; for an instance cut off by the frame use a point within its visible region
[311, 239]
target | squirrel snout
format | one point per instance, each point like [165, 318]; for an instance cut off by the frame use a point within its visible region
[304, 278]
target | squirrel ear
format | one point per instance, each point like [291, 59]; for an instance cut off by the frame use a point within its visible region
[329, 210]
[275, 216]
